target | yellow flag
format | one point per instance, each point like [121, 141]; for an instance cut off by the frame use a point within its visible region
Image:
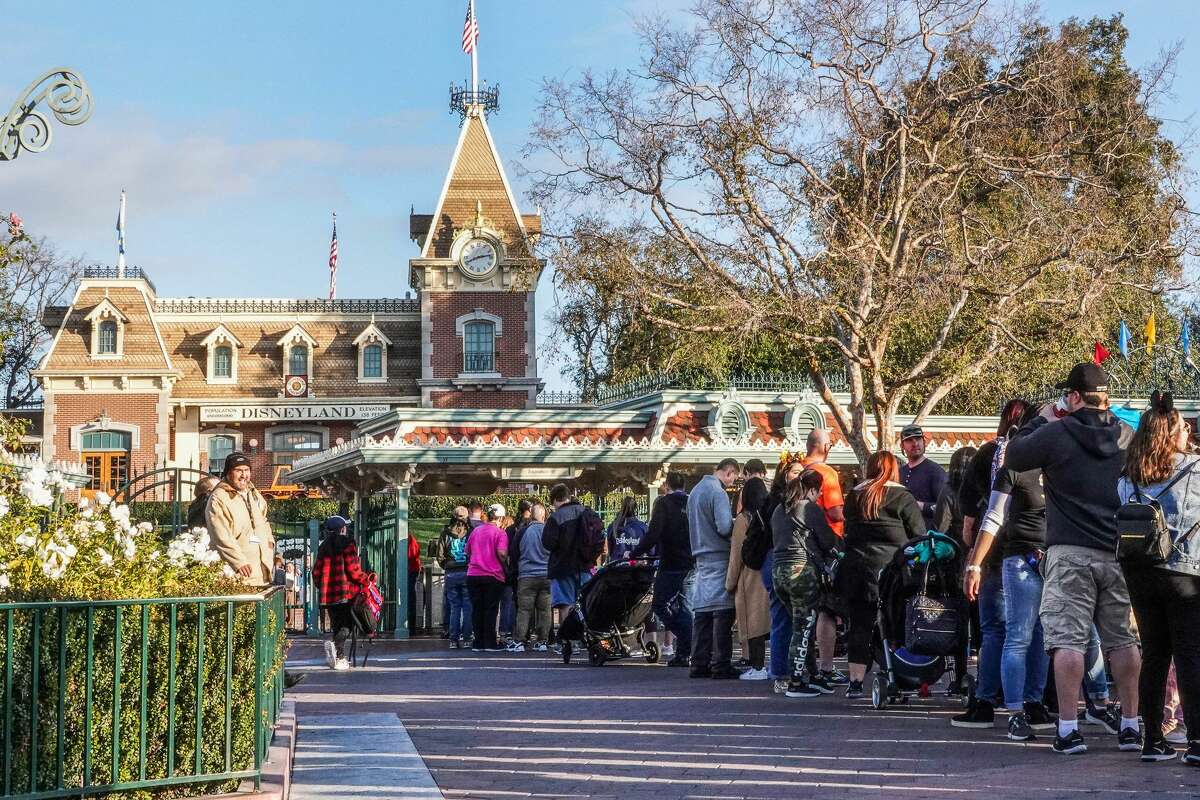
[1151, 334]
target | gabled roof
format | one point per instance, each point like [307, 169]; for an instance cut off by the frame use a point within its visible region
[297, 332]
[106, 308]
[475, 177]
[372, 332]
[221, 332]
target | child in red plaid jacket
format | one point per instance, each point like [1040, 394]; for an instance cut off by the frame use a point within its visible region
[340, 577]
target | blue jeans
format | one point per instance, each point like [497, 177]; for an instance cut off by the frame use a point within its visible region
[781, 625]
[460, 604]
[508, 610]
[1025, 663]
[991, 625]
[673, 608]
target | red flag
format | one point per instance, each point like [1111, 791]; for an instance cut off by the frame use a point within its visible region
[1100, 354]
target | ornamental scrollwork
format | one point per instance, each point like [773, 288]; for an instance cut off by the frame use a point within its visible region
[26, 127]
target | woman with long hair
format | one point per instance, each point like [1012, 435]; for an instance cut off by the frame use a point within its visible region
[789, 468]
[1159, 465]
[881, 516]
[750, 599]
[626, 531]
[948, 514]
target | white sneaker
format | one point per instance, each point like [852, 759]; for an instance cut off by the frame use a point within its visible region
[330, 653]
[341, 665]
[541, 648]
[754, 675]
[516, 647]
[1177, 735]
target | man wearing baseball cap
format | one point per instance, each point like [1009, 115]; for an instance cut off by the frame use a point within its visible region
[236, 518]
[1081, 457]
[925, 479]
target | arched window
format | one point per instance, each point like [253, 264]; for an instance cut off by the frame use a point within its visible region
[372, 361]
[223, 361]
[479, 346]
[298, 360]
[106, 460]
[219, 448]
[108, 338]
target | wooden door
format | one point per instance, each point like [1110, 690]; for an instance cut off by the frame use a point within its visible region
[107, 472]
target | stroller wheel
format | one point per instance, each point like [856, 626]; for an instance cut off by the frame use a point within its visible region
[566, 652]
[652, 652]
[596, 657]
[880, 691]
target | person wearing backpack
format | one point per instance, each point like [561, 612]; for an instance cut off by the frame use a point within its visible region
[710, 525]
[625, 532]
[574, 539]
[452, 556]
[667, 537]
[1161, 472]
[830, 605]
[745, 582]
[340, 577]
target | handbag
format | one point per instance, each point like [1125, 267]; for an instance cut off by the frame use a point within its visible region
[932, 625]
[1143, 537]
[367, 607]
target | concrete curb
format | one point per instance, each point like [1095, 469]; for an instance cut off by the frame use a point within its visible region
[277, 769]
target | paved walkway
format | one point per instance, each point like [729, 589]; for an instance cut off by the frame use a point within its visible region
[500, 726]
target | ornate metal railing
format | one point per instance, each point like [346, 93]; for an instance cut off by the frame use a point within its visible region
[463, 99]
[649, 384]
[116, 273]
[216, 305]
[65, 93]
[479, 362]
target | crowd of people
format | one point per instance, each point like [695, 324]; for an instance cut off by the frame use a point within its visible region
[1062, 600]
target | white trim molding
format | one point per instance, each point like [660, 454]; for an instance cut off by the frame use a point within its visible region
[297, 335]
[106, 311]
[478, 315]
[105, 424]
[221, 337]
[371, 336]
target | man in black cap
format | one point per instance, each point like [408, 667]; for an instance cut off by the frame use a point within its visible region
[925, 479]
[1081, 457]
[237, 524]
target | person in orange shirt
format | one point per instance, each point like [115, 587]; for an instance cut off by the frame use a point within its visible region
[830, 501]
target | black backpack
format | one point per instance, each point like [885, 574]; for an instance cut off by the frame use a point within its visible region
[591, 538]
[758, 542]
[1143, 538]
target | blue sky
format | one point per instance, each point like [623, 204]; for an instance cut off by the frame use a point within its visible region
[237, 127]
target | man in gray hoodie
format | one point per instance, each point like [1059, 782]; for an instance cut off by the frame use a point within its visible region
[710, 526]
[1081, 456]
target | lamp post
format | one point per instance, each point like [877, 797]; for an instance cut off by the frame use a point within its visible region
[64, 92]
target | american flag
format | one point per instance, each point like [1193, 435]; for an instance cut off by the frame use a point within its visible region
[333, 261]
[470, 30]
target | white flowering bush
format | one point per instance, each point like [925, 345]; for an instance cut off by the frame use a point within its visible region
[92, 550]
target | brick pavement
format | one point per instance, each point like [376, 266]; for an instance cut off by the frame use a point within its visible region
[500, 726]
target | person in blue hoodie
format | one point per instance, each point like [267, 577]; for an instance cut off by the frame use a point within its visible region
[1081, 456]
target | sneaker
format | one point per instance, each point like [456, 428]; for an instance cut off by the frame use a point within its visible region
[979, 714]
[1019, 729]
[1105, 716]
[541, 648]
[455, 644]
[854, 690]
[679, 661]
[798, 687]
[1176, 734]
[1069, 745]
[821, 684]
[727, 674]
[779, 686]
[1192, 756]
[330, 653]
[1038, 717]
[515, 647]
[834, 677]
[1129, 739]
[1158, 751]
[754, 675]
[341, 665]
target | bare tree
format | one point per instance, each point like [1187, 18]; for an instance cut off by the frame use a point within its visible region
[35, 275]
[901, 190]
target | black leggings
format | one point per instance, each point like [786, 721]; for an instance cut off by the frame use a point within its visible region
[756, 651]
[486, 593]
[341, 622]
[1167, 607]
[859, 588]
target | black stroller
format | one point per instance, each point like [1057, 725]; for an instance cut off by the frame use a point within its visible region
[923, 620]
[610, 613]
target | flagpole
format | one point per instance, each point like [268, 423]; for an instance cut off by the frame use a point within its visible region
[121, 238]
[333, 263]
[474, 55]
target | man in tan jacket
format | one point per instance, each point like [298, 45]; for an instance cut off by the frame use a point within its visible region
[238, 526]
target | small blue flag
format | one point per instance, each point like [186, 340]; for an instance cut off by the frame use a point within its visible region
[1185, 340]
[1123, 339]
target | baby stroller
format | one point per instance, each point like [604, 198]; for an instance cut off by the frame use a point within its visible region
[923, 620]
[610, 613]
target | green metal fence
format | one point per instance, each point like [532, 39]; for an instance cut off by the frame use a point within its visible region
[122, 695]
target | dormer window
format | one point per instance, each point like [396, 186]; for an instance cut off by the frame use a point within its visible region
[222, 348]
[108, 330]
[372, 347]
[479, 331]
[297, 350]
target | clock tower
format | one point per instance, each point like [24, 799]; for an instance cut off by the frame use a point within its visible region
[476, 276]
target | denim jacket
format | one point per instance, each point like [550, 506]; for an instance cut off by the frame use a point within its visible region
[1181, 507]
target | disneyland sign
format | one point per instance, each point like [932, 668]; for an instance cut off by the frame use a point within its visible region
[291, 413]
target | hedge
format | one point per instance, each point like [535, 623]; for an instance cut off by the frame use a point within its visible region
[213, 741]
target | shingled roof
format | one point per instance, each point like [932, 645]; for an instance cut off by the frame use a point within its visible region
[142, 350]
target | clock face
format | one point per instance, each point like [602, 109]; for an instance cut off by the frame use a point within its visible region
[478, 258]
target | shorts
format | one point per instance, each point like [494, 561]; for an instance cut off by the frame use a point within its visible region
[1084, 585]
[564, 591]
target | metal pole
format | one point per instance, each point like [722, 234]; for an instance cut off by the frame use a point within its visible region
[402, 492]
[311, 626]
[474, 53]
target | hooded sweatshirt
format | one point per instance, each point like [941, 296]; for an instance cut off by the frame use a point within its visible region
[1081, 457]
